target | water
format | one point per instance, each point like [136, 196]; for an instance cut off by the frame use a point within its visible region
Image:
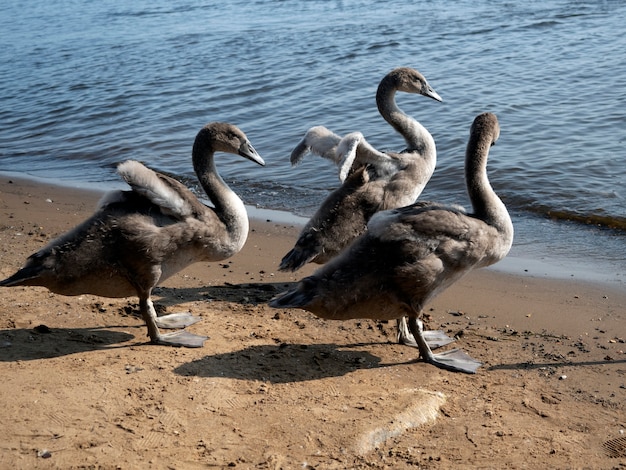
[86, 85]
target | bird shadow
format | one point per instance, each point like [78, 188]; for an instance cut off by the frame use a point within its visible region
[285, 363]
[41, 342]
[544, 365]
[245, 293]
[167, 299]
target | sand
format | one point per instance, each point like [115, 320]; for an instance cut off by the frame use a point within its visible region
[274, 389]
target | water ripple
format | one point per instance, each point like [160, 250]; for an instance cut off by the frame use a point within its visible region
[87, 85]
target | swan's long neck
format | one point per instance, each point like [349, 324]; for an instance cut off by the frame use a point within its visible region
[228, 206]
[417, 137]
[486, 204]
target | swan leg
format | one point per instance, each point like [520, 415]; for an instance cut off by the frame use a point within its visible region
[176, 320]
[176, 338]
[454, 360]
[434, 338]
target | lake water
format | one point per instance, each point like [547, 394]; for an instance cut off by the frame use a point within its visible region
[86, 85]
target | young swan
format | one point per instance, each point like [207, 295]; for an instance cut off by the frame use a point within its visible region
[385, 180]
[138, 238]
[377, 181]
[409, 255]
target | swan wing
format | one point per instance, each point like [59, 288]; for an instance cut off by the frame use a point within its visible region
[318, 140]
[421, 219]
[346, 151]
[436, 231]
[171, 196]
[354, 151]
[423, 223]
[341, 217]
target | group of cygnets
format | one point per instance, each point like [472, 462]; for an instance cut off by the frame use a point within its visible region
[384, 255]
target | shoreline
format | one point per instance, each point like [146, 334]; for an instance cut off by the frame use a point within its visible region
[542, 267]
[272, 234]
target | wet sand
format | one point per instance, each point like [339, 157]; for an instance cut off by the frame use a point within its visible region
[283, 389]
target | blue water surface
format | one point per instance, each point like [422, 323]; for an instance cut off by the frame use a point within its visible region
[86, 85]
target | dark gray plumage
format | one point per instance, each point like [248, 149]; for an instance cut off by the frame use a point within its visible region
[138, 238]
[411, 254]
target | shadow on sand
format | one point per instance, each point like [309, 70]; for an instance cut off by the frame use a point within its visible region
[41, 342]
[285, 363]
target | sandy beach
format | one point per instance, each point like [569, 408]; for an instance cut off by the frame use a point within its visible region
[281, 389]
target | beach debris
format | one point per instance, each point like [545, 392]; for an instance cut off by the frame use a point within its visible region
[421, 407]
[130, 369]
[44, 454]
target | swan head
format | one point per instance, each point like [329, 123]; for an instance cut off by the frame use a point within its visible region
[486, 123]
[410, 80]
[246, 150]
[225, 137]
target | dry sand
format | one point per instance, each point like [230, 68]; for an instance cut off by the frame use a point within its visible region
[273, 389]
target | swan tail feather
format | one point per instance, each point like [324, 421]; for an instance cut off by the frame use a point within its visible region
[21, 277]
[294, 260]
[295, 298]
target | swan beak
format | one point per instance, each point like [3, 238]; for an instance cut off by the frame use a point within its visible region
[247, 150]
[432, 93]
